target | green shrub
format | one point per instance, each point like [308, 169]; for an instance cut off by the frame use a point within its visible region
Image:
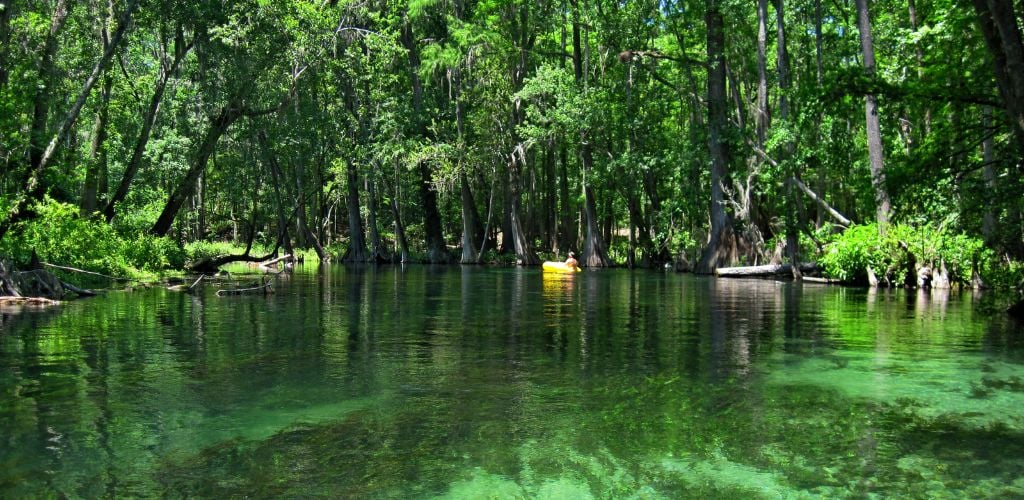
[848, 255]
[150, 253]
[60, 236]
[198, 250]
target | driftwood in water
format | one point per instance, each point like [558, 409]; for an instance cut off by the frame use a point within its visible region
[182, 287]
[287, 258]
[762, 271]
[265, 288]
[212, 264]
[28, 301]
[80, 291]
[827, 281]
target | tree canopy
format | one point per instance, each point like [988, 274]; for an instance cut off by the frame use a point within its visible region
[634, 133]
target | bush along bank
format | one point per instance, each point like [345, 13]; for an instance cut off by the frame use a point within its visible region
[916, 256]
[44, 256]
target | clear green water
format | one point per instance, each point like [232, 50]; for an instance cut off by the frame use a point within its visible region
[504, 383]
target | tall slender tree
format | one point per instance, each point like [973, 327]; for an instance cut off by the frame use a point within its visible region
[876, 156]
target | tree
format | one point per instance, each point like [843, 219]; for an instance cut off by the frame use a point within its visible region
[721, 247]
[874, 133]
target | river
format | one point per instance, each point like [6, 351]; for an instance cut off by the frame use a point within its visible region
[449, 382]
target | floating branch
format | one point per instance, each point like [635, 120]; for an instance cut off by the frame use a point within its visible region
[265, 288]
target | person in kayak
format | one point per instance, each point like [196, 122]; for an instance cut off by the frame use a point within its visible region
[571, 261]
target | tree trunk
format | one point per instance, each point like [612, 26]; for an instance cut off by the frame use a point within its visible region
[301, 207]
[278, 179]
[824, 207]
[550, 198]
[72, 115]
[488, 242]
[988, 224]
[41, 104]
[721, 248]
[357, 241]
[737, 98]
[148, 119]
[437, 251]
[525, 255]
[218, 125]
[97, 164]
[594, 251]
[817, 41]
[508, 245]
[6, 14]
[782, 60]
[919, 56]
[396, 213]
[761, 121]
[567, 207]
[1002, 35]
[378, 254]
[874, 132]
[471, 230]
[794, 218]
[642, 240]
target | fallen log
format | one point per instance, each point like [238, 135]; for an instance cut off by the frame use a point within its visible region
[762, 271]
[840, 218]
[28, 301]
[827, 281]
[82, 292]
[211, 265]
[273, 262]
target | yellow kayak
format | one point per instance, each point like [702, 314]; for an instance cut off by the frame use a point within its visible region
[560, 267]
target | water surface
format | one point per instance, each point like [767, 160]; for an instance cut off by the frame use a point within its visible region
[467, 382]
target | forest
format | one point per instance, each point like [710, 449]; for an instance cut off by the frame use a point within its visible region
[882, 140]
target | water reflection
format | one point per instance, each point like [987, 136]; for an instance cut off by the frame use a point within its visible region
[426, 381]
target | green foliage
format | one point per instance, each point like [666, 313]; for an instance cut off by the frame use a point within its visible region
[59, 236]
[848, 257]
[199, 250]
[150, 253]
[497, 92]
[849, 254]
